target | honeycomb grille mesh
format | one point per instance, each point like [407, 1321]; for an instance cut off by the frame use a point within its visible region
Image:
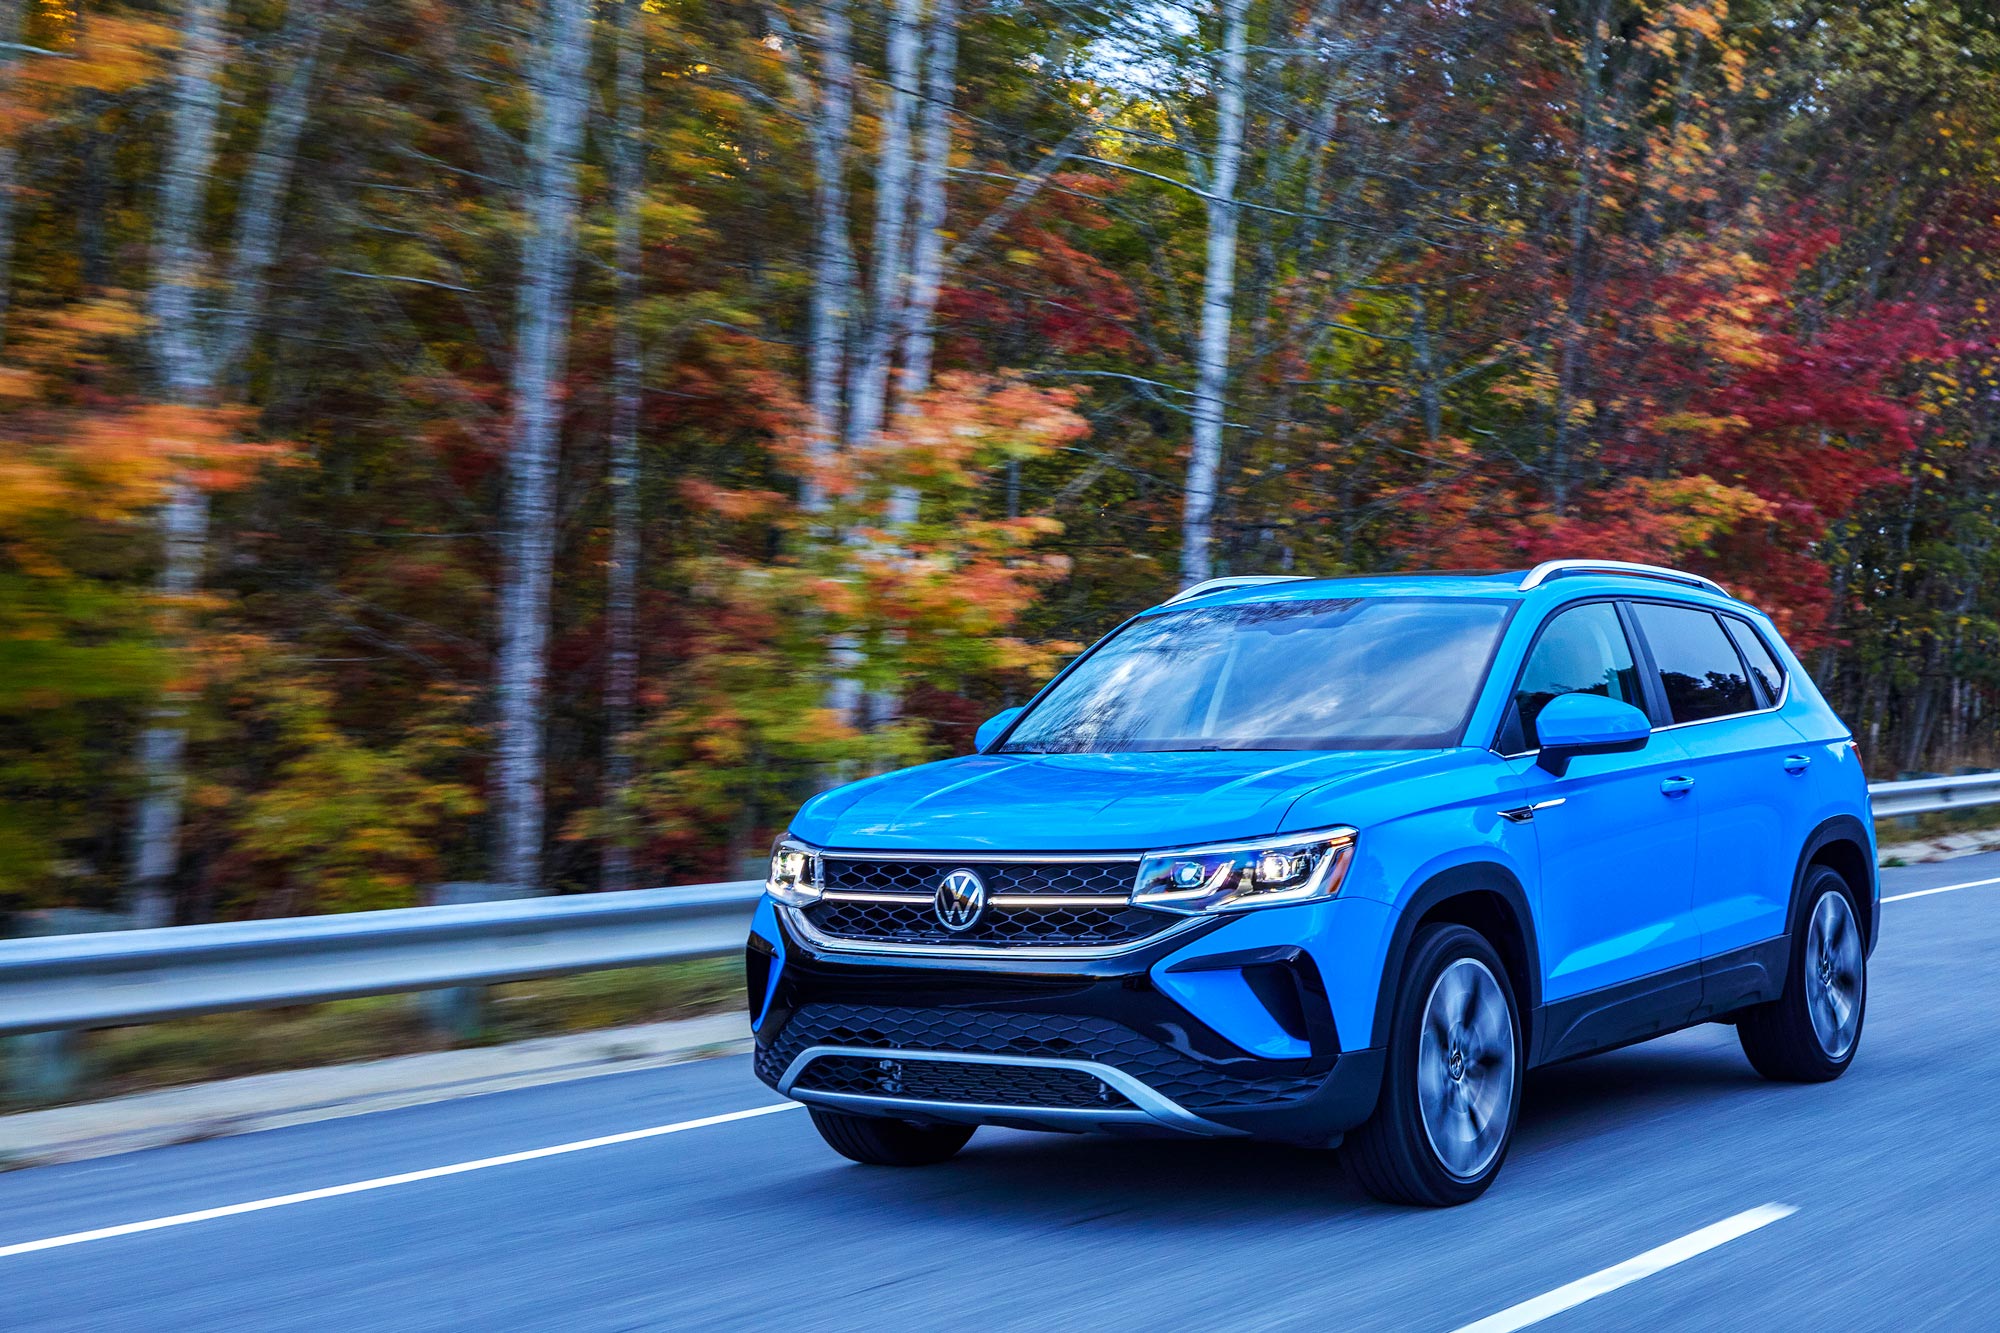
[1082, 925]
[1192, 1082]
[1067, 877]
[962, 1083]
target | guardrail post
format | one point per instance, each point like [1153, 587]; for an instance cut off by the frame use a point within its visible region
[459, 1012]
[38, 1068]
[42, 1067]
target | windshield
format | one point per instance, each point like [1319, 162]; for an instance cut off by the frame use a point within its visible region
[1373, 673]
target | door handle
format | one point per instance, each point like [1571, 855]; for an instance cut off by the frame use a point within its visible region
[1676, 786]
[1796, 764]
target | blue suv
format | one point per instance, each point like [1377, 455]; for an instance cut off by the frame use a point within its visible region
[1332, 860]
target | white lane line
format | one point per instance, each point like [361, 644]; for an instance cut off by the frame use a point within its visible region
[1949, 888]
[1640, 1266]
[382, 1182]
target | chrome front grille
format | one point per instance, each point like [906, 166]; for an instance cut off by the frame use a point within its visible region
[1063, 878]
[1034, 903]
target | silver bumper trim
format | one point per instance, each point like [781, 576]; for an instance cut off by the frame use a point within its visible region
[1150, 1105]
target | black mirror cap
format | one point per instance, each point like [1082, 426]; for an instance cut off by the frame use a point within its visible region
[1555, 758]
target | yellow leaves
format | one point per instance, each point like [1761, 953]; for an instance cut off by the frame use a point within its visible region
[1697, 22]
[1695, 423]
[1733, 62]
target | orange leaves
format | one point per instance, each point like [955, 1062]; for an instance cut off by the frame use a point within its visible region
[737, 505]
[109, 53]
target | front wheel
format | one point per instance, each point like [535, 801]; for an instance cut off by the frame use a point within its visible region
[1810, 1032]
[1452, 1086]
[877, 1142]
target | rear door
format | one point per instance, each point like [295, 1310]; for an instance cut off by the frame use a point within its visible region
[1722, 688]
[1616, 840]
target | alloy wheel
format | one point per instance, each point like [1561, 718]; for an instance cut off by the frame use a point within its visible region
[1834, 975]
[1465, 1068]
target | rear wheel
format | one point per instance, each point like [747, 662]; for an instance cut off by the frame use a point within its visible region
[1810, 1032]
[1452, 1085]
[878, 1142]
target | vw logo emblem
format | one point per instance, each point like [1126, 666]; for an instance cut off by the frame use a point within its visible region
[961, 901]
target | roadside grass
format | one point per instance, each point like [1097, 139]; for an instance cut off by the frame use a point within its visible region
[197, 1050]
[1981, 820]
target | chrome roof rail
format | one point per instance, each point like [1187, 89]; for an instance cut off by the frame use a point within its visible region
[1238, 581]
[1555, 569]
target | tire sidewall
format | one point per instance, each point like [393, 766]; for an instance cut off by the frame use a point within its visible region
[1434, 949]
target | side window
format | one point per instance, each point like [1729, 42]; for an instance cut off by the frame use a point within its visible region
[1703, 676]
[1582, 651]
[1757, 653]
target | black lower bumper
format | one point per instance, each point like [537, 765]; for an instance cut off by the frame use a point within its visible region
[1102, 1014]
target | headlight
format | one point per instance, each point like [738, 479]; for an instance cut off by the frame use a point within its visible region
[1227, 877]
[795, 877]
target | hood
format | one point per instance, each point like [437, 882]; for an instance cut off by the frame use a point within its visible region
[1080, 802]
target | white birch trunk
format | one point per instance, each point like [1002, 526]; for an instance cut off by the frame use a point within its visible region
[1218, 300]
[621, 675]
[187, 372]
[540, 355]
[830, 117]
[933, 168]
[868, 394]
[265, 183]
[926, 276]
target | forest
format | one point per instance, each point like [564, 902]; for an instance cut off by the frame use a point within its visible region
[539, 443]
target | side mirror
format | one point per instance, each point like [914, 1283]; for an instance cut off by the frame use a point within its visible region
[993, 728]
[1574, 724]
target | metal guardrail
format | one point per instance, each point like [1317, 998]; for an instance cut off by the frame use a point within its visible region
[75, 982]
[1923, 796]
[119, 978]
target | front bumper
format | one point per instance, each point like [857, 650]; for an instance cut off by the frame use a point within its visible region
[1052, 1043]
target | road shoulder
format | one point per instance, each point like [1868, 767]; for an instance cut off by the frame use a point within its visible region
[302, 1096]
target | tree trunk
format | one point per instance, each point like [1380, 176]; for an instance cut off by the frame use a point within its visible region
[540, 356]
[1577, 306]
[186, 372]
[1218, 299]
[868, 394]
[933, 168]
[621, 676]
[265, 184]
[830, 118]
[10, 31]
[926, 276]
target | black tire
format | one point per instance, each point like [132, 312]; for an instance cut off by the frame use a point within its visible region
[1780, 1037]
[876, 1142]
[1393, 1155]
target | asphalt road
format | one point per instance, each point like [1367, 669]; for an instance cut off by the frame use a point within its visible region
[1894, 1173]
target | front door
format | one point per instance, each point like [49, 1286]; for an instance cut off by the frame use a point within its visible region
[1616, 836]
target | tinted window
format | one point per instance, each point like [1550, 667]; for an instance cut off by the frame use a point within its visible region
[1758, 654]
[1376, 673]
[1698, 665]
[1581, 651]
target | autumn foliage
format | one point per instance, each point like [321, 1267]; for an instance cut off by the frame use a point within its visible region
[1702, 282]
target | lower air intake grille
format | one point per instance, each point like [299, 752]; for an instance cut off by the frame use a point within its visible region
[961, 1083]
[1175, 1074]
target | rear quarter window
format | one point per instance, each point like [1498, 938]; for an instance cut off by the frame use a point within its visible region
[1763, 664]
